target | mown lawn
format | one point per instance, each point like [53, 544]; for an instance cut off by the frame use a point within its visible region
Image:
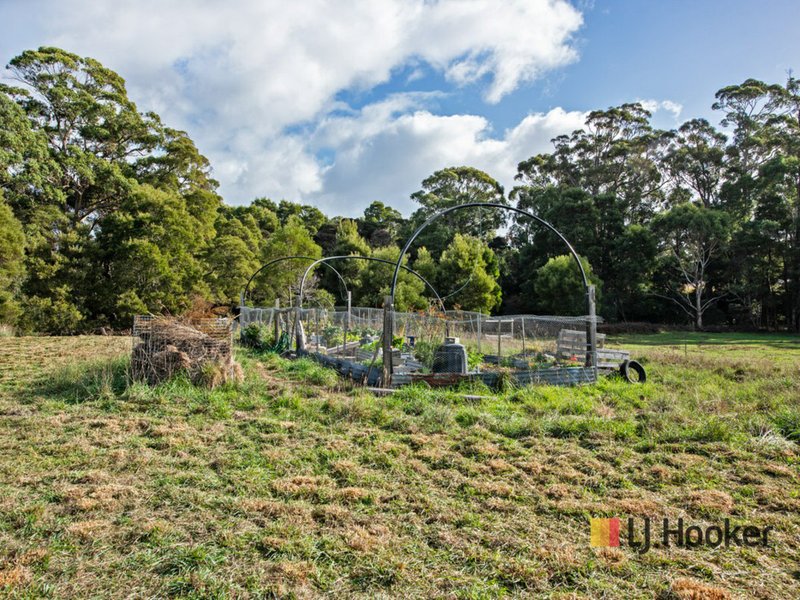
[293, 485]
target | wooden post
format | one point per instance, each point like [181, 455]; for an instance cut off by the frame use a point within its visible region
[298, 326]
[480, 318]
[316, 327]
[523, 335]
[499, 333]
[275, 318]
[591, 331]
[347, 321]
[388, 333]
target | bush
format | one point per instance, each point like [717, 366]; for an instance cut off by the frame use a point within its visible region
[332, 335]
[55, 315]
[256, 336]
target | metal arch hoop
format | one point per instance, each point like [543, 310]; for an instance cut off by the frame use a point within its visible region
[459, 288]
[591, 327]
[488, 205]
[280, 259]
[369, 258]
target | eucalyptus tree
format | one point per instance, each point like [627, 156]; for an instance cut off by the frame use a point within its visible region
[695, 160]
[763, 179]
[691, 238]
[617, 153]
[114, 203]
[450, 187]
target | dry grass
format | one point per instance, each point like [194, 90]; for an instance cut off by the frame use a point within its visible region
[280, 487]
[688, 589]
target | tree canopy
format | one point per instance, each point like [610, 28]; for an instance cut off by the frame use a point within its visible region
[106, 212]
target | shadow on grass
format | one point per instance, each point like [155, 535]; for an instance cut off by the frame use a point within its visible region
[783, 341]
[84, 382]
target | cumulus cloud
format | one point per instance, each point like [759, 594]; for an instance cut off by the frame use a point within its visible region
[386, 149]
[251, 80]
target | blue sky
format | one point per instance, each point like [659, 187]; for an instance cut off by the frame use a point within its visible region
[338, 104]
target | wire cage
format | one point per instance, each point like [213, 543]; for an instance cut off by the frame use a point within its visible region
[165, 346]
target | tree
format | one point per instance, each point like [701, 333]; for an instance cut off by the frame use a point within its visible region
[380, 224]
[93, 130]
[375, 281]
[425, 265]
[764, 169]
[291, 239]
[696, 162]
[119, 211]
[558, 286]
[180, 167]
[311, 217]
[451, 187]
[56, 314]
[147, 257]
[26, 169]
[469, 260]
[617, 154]
[755, 271]
[234, 254]
[231, 262]
[750, 108]
[622, 254]
[692, 238]
[348, 240]
[348, 243]
[12, 247]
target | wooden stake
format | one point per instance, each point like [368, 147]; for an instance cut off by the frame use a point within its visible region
[388, 332]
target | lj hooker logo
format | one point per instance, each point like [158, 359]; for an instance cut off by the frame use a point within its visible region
[606, 532]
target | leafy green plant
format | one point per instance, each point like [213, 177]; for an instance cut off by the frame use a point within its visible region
[256, 336]
[474, 359]
[332, 335]
[424, 350]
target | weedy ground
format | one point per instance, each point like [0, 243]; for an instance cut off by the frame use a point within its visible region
[292, 484]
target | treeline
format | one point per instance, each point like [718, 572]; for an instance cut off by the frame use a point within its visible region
[106, 212]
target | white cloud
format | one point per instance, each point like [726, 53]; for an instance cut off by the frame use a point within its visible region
[669, 106]
[237, 75]
[383, 155]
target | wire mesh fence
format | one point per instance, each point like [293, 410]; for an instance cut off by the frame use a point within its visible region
[420, 340]
[163, 347]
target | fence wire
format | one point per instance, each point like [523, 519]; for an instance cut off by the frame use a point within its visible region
[514, 341]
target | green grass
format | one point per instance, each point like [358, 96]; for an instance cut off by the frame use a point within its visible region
[295, 484]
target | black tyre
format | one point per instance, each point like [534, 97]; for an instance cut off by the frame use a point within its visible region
[633, 372]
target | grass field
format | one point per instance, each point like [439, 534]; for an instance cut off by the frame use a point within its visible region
[291, 484]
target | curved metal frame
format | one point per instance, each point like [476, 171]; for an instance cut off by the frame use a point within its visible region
[485, 205]
[591, 326]
[459, 288]
[369, 258]
[280, 259]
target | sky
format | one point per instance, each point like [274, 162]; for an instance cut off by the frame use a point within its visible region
[338, 104]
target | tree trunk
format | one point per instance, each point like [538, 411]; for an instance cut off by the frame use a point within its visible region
[698, 308]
